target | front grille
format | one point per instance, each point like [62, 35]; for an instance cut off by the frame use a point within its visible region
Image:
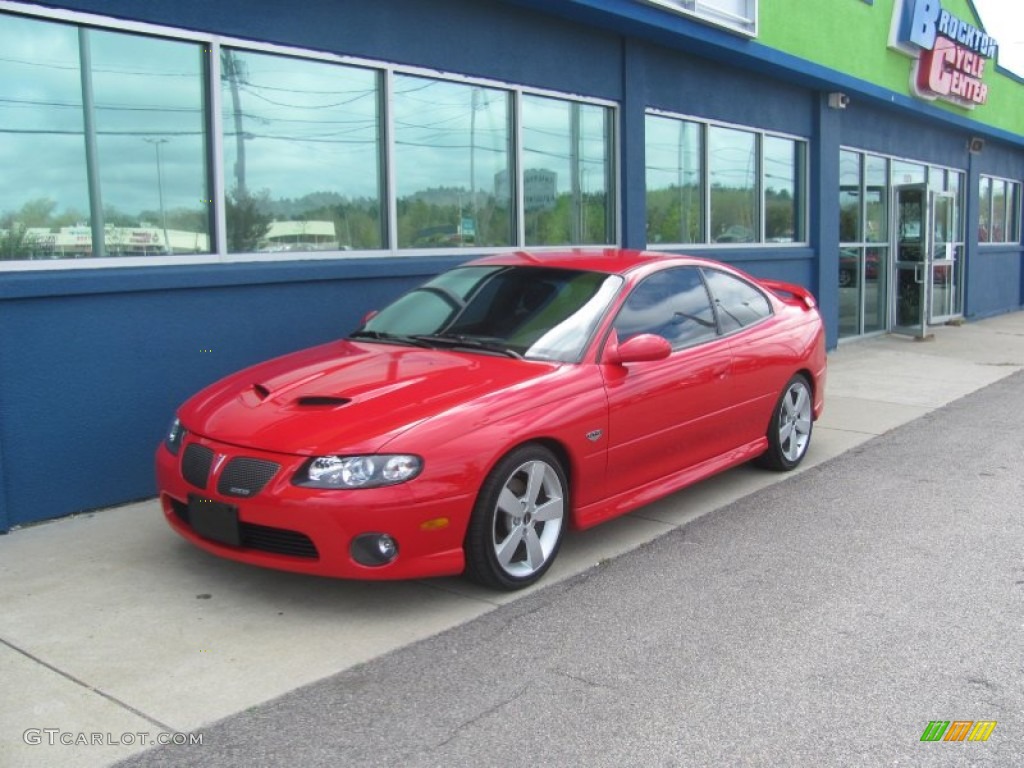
[195, 464]
[246, 477]
[278, 541]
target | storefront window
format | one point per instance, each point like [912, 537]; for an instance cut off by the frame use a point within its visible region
[864, 243]
[1013, 212]
[732, 177]
[783, 165]
[124, 170]
[674, 190]
[876, 199]
[849, 197]
[999, 210]
[712, 184]
[452, 150]
[301, 154]
[565, 172]
[904, 172]
[316, 154]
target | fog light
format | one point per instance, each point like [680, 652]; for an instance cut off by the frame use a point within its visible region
[374, 549]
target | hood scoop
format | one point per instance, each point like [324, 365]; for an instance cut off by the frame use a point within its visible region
[261, 392]
[321, 401]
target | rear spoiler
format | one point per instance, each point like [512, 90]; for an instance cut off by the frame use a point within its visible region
[797, 292]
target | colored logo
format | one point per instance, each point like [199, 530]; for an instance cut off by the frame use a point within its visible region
[951, 53]
[958, 730]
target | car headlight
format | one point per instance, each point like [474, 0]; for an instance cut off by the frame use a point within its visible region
[175, 434]
[358, 471]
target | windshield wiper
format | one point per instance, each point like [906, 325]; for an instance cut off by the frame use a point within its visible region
[468, 342]
[391, 338]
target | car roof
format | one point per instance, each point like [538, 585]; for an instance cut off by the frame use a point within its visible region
[616, 261]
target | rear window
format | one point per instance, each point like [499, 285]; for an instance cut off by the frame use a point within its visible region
[737, 303]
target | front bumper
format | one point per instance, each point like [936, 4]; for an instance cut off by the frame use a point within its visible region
[291, 528]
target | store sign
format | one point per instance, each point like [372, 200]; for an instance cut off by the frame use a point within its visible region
[951, 53]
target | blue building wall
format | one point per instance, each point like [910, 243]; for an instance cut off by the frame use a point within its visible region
[93, 362]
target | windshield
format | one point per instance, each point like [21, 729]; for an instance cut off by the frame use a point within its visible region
[532, 312]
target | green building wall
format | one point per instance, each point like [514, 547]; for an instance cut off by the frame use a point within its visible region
[851, 36]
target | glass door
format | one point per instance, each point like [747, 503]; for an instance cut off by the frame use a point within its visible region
[910, 235]
[927, 265]
[943, 274]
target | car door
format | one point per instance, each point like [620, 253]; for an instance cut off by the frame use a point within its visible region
[666, 415]
[761, 357]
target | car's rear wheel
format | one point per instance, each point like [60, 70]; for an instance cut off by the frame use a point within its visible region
[518, 520]
[789, 433]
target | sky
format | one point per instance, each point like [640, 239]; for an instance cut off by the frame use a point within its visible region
[1004, 20]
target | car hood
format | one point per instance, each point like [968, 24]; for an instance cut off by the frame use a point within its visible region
[347, 396]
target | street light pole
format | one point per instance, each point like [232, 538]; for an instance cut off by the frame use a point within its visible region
[160, 190]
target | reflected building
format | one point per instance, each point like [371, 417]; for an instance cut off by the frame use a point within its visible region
[540, 188]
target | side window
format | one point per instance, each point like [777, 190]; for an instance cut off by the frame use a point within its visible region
[737, 302]
[673, 304]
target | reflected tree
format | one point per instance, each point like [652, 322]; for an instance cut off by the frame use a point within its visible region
[247, 224]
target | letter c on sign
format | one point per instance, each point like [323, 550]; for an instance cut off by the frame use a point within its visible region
[933, 75]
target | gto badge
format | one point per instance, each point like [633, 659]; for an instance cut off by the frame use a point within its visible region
[595, 435]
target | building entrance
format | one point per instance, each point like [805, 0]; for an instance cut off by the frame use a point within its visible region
[928, 260]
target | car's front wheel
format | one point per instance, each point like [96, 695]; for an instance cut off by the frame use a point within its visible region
[789, 433]
[518, 520]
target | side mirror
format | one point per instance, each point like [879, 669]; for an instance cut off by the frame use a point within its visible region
[369, 316]
[639, 349]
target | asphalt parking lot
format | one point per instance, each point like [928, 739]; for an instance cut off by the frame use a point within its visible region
[827, 620]
[115, 633]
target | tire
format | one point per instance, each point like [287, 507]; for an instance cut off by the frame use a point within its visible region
[518, 520]
[789, 432]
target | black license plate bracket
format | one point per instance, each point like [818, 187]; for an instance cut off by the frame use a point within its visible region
[215, 520]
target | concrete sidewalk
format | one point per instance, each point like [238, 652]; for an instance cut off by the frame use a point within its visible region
[115, 633]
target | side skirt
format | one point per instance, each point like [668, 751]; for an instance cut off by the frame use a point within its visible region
[598, 512]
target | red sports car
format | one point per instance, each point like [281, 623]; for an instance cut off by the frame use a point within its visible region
[466, 426]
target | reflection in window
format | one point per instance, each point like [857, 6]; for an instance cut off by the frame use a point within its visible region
[737, 303]
[301, 148]
[140, 105]
[999, 211]
[150, 125]
[732, 176]
[998, 234]
[985, 210]
[863, 220]
[783, 164]
[673, 304]
[849, 196]
[1012, 212]
[754, 183]
[452, 150]
[904, 172]
[876, 199]
[565, 172]
[674, 173]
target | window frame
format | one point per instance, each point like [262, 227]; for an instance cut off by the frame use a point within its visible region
[801, 175]
[1012, 212]
[386, 71]
[746, 25]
